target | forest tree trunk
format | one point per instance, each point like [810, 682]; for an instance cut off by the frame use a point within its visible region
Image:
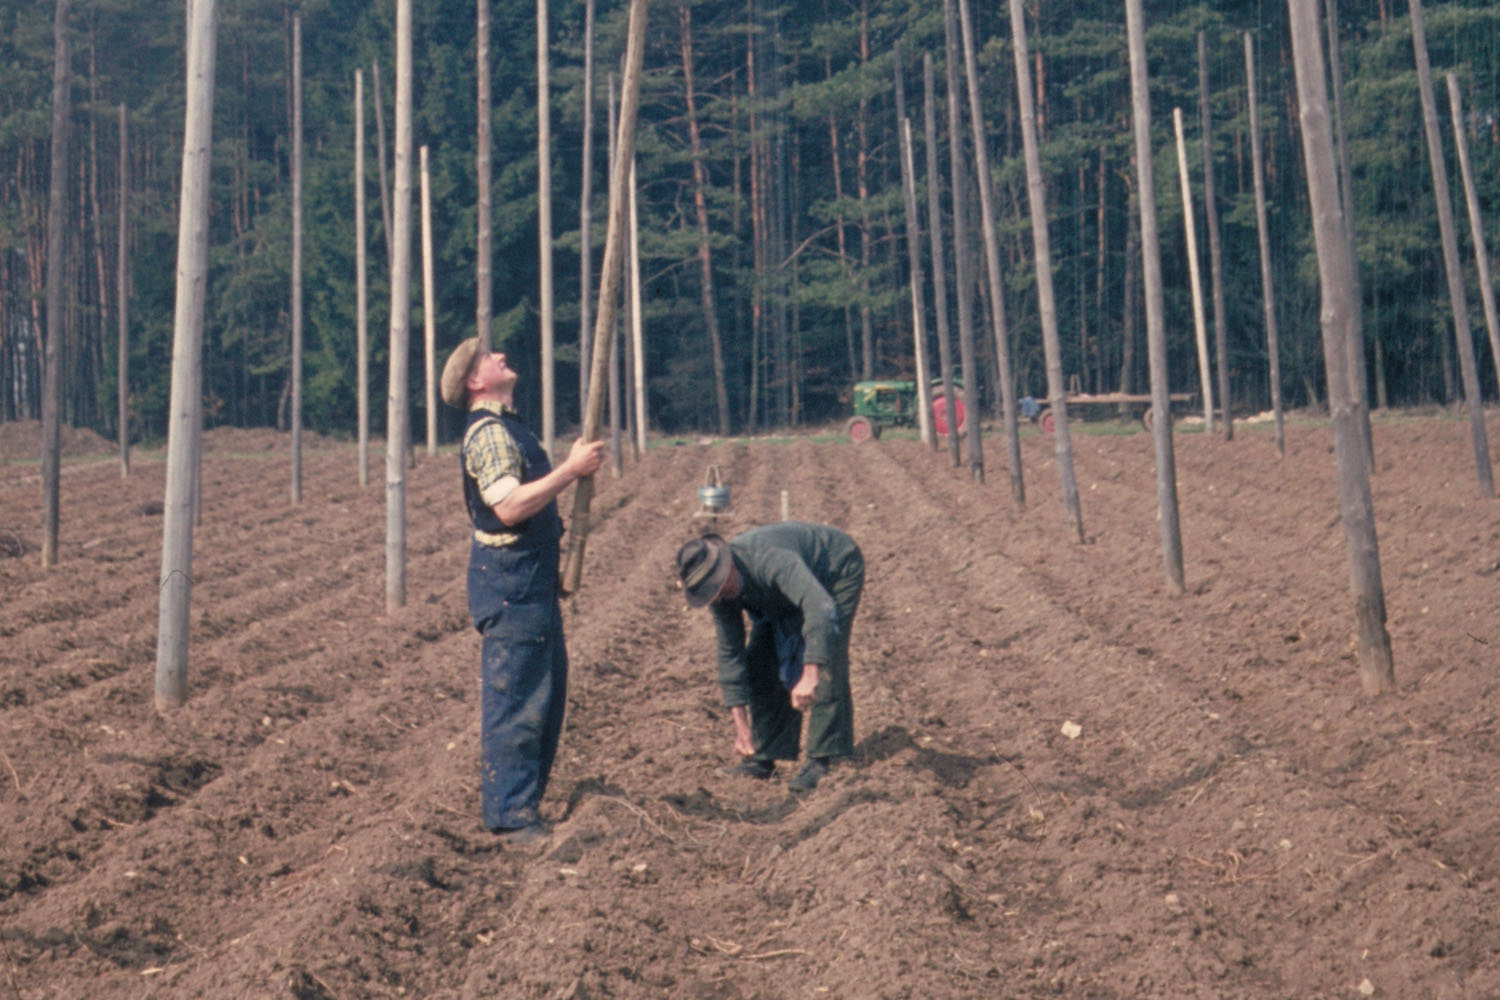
[700, 207]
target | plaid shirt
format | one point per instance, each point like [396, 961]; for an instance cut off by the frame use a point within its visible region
[494, 459]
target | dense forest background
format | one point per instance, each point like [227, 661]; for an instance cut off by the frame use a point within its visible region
[796, 106]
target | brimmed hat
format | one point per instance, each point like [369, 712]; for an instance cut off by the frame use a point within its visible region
[454, 388]
[703, 565]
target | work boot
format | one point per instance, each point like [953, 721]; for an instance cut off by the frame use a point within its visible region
[812, 772]
[760, 770]
[521, 836]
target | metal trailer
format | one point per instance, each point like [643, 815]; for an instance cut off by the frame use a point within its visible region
[1135, 404]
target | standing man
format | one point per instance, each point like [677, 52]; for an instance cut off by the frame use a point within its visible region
[510, 490]
[800, 585]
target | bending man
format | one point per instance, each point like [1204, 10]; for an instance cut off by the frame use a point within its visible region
[799, 585]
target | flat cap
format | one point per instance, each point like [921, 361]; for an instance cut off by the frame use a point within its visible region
[456, 373]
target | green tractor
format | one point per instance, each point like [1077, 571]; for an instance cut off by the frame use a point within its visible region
[882, 403]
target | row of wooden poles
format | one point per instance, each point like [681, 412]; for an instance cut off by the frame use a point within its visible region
[185, 406]
[1338, 277]
[1329, 193]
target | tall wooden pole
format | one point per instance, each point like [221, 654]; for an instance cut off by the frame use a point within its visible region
[586, 213]
[1335, 263]
[1457, 296]
[939, 269]
[483, 241]
[544, 228]
[1036, 187]
[429, 309]
[627, 341]
[992, 256]
[609, 284]
[1215, 252]
[914, 255]
[122, 298]
[380, 153]
[918, 306]
[961, 256]
[637, 322]
[1358, 379]
[616, 336]
[1263, 234]
[1156, 337]
[57, 208]
[296, 366]
[398, 429]
[1476, 223]
[361, 280]
[1195, 277]
[175, 585]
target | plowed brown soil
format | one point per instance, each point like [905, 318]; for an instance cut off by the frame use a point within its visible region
[1230, 817]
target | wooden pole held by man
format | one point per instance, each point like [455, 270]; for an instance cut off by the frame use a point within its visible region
[609, 287]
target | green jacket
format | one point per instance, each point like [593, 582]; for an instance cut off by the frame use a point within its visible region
[786, 571]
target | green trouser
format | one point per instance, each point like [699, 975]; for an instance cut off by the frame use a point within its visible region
[776, 727]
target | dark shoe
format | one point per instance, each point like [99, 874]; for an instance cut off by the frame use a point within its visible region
[760, 770]
[812, 772]
[521, 836]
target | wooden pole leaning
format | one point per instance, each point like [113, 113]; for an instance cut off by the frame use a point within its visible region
[1200, 327]
[1476, 223]
[1457, 296]
[609, 286]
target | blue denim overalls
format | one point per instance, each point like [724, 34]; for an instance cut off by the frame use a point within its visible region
[513, 600]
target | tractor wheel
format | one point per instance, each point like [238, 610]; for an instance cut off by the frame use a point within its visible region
[940, 414]
[861, 429]
[1048, 421]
